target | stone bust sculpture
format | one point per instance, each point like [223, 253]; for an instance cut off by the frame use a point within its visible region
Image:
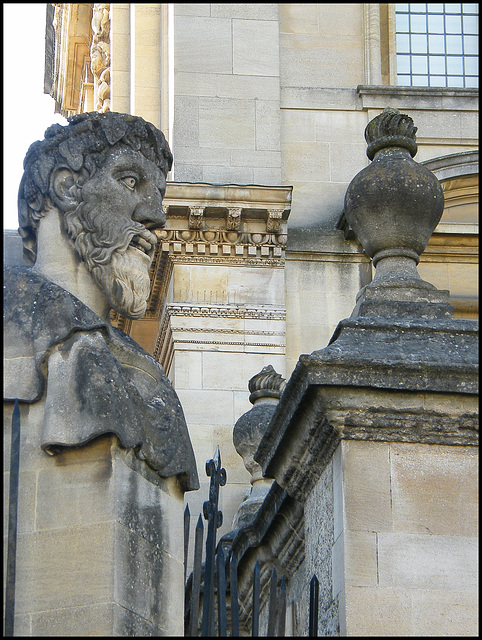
[89, 202]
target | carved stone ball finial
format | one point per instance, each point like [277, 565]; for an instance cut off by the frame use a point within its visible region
[266, 388]
[394, 204]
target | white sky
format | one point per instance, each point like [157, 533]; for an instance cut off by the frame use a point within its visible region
[27, 110]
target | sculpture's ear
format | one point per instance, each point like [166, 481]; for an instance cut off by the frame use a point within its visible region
[63, 188]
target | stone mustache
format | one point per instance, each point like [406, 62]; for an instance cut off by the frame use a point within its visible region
[89, 202]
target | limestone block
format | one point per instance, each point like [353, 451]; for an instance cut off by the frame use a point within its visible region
[256, 285]
[251, 10]
[339, 126]
[445, 613]
[259, 158]
[269, 175]
[226, 123]
[142, 591]
[70, 495]
[298, 125]
[215, 407]
[222, 85]
[298, 18]
[203, 45]
[306, 162]
[418, 561]
[434, 489]
[94, 620]
[188, 370]
[255, 47]
[219, 373]
[186, 126]
[376, 612]
[346, 160]
[315, 61]
[359, 559]
[192, 9]
[366, 486]
[347, 24]
[228, 175]
[64, 568]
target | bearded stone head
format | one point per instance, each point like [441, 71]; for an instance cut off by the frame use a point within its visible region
[106, 175]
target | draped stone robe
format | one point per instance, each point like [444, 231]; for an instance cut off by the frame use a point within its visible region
[95, 379]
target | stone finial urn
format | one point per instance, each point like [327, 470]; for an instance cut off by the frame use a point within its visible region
[266, 388]
[394, 204]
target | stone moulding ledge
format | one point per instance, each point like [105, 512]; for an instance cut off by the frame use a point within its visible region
[432, 98]
[227, 195]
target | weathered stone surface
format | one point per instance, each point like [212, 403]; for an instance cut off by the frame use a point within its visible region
[127, 392]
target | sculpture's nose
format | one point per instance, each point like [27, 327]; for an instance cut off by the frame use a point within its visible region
[150, 211]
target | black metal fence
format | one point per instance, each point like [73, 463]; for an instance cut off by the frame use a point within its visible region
[212, 587]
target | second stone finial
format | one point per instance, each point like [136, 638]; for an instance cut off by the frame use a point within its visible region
[266, 388]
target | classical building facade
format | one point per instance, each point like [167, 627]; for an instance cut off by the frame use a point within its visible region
[264, 107]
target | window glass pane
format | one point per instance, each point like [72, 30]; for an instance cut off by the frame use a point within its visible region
[455, 65]
[472, 82]
[418, 23]
[420, 81]
[471, 44]
[402, 23]
[454, 44]
[419, 64]
[453, 24]
[403, 81]
[470, 8]
[400, 6]
[435, 24]
[403, 43]
[438, 81]
[437, 64]
[452, 7]
[471, 65]
[471, 24]
[436, 44]
[455, 81]
[418, 7]
[419, 43]
[435, 8]
[403, 64]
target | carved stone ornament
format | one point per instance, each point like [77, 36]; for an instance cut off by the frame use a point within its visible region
[100, 56]
[393, 205]
[266, 388]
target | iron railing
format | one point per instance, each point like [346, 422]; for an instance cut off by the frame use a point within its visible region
[212, 585]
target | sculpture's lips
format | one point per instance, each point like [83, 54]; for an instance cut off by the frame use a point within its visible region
[145, 243]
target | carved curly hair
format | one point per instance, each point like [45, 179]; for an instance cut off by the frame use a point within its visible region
[81, 146]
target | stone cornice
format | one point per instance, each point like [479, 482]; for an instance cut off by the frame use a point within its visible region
[253, 199]
[400, 381]
[432, 98]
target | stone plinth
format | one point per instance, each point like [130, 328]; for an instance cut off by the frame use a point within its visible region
[99, 548]
[384, 419]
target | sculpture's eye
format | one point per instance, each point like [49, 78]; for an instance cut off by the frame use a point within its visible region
[130, 182]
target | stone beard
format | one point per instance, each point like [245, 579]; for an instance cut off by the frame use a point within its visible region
[117, 255]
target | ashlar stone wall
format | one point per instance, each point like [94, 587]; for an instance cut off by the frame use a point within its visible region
[404, 550]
